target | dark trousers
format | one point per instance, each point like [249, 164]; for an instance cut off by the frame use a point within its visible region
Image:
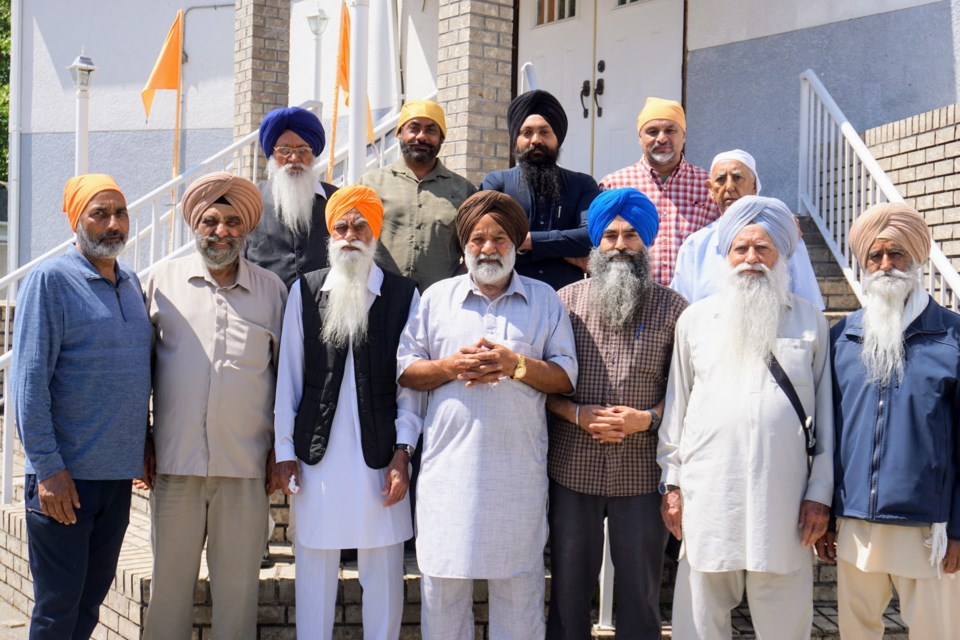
[73, 565]
[637, 541]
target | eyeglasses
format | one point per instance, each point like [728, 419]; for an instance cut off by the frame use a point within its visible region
[288, 152]
[340, 227]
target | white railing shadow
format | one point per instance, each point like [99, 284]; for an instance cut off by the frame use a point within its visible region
[839, 178]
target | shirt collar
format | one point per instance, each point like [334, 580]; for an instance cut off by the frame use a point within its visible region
[929, 320]
[374, 281]
[439, 171]
[653, 173]
[516, 286]
[199, 270]
[90, 272]
[318, 190]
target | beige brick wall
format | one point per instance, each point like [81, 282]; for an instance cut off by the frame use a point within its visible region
[474, 74]
[921, 155]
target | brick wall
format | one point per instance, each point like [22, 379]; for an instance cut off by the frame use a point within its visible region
[474, 76]
[921, 155]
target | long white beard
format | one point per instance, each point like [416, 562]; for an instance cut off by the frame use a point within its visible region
[751, 311]
[346, 314]
[490, 269]
[293, 194]
[884, 297]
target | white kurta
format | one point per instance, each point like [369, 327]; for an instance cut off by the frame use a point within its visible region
[339, 505]
[735, 446]
[482, 491]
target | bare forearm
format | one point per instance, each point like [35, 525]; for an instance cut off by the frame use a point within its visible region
[424, 375]
[547, 377]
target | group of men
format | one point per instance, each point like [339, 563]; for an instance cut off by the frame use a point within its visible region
[690, 386]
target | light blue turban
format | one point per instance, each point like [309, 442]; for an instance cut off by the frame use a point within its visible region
[772, 215]
[629, 204]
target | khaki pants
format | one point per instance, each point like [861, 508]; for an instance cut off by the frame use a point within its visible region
[228, 513]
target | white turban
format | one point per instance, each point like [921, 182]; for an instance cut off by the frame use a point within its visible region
[740, 156]
[771, 214]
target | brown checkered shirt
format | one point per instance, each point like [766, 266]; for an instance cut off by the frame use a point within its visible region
[617, 367]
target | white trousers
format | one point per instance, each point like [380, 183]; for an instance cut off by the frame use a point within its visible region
[516, 608]
[381, 576]
[781, 606]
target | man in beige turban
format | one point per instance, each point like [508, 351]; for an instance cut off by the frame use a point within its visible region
[896, 367]
[217, 320]
[488, 346]
[420, 199]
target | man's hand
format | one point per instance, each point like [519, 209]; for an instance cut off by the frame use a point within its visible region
[671, 510]
[58, 497]
[271, 482]
[282, 472]
[583, 263]
[951, 561]
[813, 521]
[613, 423]
[484, 362]
[149, 466]
[396, 479]
[826, 547]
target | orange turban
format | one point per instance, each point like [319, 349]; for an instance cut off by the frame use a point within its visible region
[890, 221]
[363, 199]
[660, 109]
[80, 190]
[240, 193]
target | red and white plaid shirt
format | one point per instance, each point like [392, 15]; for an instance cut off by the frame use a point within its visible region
[683, 202]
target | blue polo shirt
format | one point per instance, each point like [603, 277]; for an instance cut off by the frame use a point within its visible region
[81, 370]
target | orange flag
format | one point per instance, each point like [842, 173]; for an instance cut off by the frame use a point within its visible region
[343, 66]
[166, 71]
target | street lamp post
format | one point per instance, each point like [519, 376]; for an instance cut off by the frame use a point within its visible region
[318, 22]
[82, 70]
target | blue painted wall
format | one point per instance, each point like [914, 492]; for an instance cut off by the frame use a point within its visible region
[878, 69]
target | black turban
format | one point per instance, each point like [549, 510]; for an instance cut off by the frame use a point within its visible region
[506, 211]
[539, 103]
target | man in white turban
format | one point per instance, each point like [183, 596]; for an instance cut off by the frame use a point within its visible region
[699, 269]
[747, 469]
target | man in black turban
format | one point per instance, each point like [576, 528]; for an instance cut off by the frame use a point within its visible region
[554, 199]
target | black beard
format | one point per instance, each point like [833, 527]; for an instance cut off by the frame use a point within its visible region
[420, 157]
[540, 174]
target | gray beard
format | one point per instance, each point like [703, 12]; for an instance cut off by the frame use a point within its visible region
[884, 297]
[346, 315]
[293, 195]
[490, 271]
[751, 311]
[97, 248]
[618, 288]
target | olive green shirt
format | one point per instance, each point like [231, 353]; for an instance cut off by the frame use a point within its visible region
[419, 236]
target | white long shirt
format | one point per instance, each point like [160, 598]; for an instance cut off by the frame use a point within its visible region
[735, 447]
[339, 505]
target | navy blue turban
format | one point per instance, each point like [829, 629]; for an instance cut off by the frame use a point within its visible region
[772, 215]
[629, 204]
[540, 103]
[300, 121]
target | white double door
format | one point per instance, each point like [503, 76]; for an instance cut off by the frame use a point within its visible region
[602, 63]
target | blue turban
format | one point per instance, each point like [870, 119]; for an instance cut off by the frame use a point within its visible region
[629, 204]
[772, 215]
[300, 121]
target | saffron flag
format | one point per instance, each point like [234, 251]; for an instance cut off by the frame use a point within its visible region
[166, 71]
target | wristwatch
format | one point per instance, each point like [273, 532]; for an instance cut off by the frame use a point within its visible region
[667, 488]
[521, 369]
[655, 420]
[405, 447]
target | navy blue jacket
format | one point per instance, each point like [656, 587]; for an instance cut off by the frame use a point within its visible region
[898, 445]
[557, 230]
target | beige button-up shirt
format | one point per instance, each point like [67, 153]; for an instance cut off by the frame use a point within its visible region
[215, 367]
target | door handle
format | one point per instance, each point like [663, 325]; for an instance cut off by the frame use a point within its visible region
[597, 92]
[585, 93]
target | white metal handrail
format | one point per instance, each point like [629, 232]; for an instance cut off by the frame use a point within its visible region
[158, 233]
[839, 178]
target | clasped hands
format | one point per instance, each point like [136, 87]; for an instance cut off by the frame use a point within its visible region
[612, 423]
[482, 362]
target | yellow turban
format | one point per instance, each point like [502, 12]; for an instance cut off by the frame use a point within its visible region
[890, 221]
[80, 190]
[363, 199]
[240, 193]
[660, 109]
[422, 109]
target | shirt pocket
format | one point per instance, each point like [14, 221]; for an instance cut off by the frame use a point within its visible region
[795, 356]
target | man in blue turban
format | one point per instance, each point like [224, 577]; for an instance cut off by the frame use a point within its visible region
[291, 238]
[602, 455]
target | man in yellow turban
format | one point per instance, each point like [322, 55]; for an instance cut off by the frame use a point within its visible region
[344, 431]
[81, 385]
[896, 385]
[678, 189]
[420, 199]
[217, 320]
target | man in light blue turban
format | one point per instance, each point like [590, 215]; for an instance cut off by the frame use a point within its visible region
[602, 460]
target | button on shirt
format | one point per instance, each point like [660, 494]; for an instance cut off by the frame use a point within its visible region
[419, 236]
[683, 202]
[216, 357]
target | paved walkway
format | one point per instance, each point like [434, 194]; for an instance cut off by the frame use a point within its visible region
[13, 624]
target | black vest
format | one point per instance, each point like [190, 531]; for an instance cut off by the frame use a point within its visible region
[375, 366]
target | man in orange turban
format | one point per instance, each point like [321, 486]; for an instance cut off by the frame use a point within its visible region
[896, 374]
[217, 320]
[338, 376]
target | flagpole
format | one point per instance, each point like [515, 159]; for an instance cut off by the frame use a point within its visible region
[175, 169]
[358, 90]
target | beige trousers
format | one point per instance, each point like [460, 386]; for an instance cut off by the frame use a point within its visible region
[228, 513]
[874, 559]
